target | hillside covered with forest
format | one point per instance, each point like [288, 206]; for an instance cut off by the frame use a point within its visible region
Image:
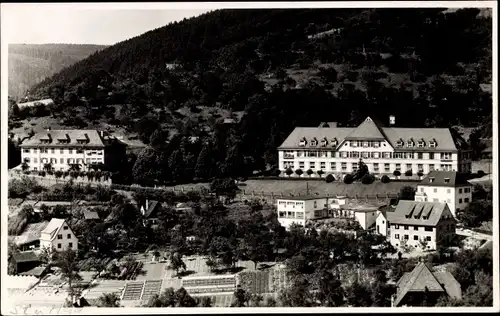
[29, 64]
[269, 71]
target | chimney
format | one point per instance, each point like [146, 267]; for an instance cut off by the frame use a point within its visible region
[392, 120]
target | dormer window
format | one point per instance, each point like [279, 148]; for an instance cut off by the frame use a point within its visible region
[432, 143]
[399, 143]
[334, 142]
[324, 142]
[431, 180]
[421, 144]
[314, 142]
[302, 142]
[354, 144]
[409, 144]
[446, 180]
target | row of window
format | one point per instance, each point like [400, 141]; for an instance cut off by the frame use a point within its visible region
[415, 237]
[62, 151]
[295, 215]
[60, 236]
[292, 204]
[415, 228]
[354, 165]
[448, 191]
[61, 161]
[290, 154]
[70, 245]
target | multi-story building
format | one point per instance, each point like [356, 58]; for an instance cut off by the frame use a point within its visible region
[301, 209]
[58, 236]
[337, 150]
[411, 222]
[449, 187]
[61, 149]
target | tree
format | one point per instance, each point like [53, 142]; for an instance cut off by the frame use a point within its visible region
[330, 292]
[358, 295]
[176, 262]
[177, 165]
[320, 173]
[361, 171]
[204, 163]
[309, 172]
[423, 243]
[407, 193]
[297, 295]
[226, 187]
[240, 298]
[368, 179]
[477, 212]
[299, 172]
[329, 178]
[397, 173]
[420, 174]
[348, 178]
[289, 171]
[67, 262]
[385, 179]
[159, 139]
[205, 301]
[108, 300]
[408, 173]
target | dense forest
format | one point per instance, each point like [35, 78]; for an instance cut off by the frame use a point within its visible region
[276, 69]
[29, 64]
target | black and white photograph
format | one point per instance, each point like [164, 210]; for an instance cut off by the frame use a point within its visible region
[249, 157]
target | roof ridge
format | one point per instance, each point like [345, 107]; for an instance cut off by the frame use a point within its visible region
[414, 276]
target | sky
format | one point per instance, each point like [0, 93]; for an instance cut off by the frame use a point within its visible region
[39, 24]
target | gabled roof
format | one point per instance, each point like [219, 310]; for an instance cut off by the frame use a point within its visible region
[437, 179]
[25, 256]
[366, 130]
[90, 214]
[422, 213]
[31, 233]
[152, 206]
[54, 225]
[442, 136]
[420, 279]
[292, 141]
[93, 138]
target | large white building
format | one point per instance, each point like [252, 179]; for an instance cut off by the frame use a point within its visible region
[60, 149]
[337, 150]
[449, 187]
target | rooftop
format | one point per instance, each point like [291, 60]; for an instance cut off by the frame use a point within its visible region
[90, 214]
[418, 213]
[25, 256]
[444, 179]
[53, 226]
[65, 138]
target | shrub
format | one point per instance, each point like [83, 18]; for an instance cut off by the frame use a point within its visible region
[408, 173]
[41, 173]
[407, 193]
[480, 173]
[397, 173]
[348, 179]
[320, 173]
[329, 178]
[289, 171]
[420, 174]
[368, 179]
[58, 174]
[299, 172]
[309, 172]
[276, 172]
[385, 179]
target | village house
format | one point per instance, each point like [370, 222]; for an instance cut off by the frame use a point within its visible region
[58, 236]
[150, 211]
[62, 149]
[337, 150]
[449, 187]
[423, 287]
[416, 224]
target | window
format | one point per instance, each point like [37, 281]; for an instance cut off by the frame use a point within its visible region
[35, 160]
[354, 166]
[387, 167]
[431, 167]
[312, 164]
[459, 201]
[79, 151]
[396, 226]
[315, 204]
[398, 166]
[415, 237]
[322, 165]
[420, 167]
[399, 143]
[375, 167]
[415, 227]
[65, 228]
[344, 166]
[431, 155]
[61, 151]
[59, 236]
[88, 160]
[466, 190]
[396, 236]
[354, 144]
[70, 245]
[58, 246]
[429, 229]
[466, 200]
[314, 143]
[365, 144]
[406, 227]
[70, 151]
[408, 166]
[26, 159]
[406, 237]
[428, 238]
[432, 144]
[333, 166]
[445, 156]
[460, 191]
[435, 190]
[448, 191]
[27, 151]
[69, 236]
[53, 150]
[409, 144]
[61, 160]
[301, 165]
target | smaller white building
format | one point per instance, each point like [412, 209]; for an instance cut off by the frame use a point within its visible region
[58, 236]
[299, 209]
[449, 187]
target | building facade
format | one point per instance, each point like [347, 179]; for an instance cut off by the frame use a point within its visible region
[445, 186]
[62, 149]
[413, 223]
[58, 236]
[297, 210]
[338, 150]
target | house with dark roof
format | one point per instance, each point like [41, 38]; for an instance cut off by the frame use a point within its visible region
[417, 224]
[150, 211]
[62, 149]
[24, 261]
[337, 150]
[423, 287]
[449, 187]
